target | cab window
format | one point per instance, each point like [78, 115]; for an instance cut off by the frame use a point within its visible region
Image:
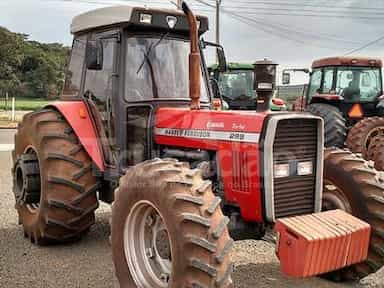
[315, 83]
[74, 74]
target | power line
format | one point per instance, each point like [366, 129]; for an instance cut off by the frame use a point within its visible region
[265, 26]
[365, 46]
[320, 10]
[276, 29]
[274, 3]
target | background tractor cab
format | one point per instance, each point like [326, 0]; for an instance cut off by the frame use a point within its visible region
[236, 87]
[342, 90]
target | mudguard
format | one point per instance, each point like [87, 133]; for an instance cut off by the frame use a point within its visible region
[79, 118]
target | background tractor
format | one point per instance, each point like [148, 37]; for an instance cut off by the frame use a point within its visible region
[347, 92]
[135, 126]
[235, 86]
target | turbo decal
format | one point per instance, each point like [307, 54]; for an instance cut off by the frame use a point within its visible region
[209, 134]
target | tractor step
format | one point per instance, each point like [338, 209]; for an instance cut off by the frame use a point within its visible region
[319, 243]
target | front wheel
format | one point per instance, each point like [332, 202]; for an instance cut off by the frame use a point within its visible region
[168, 229]
[352, 185]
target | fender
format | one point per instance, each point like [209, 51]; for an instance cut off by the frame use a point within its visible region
[79, 118]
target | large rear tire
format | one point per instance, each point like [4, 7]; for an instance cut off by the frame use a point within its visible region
[362, 134]
[335, 128]
[352, 185]
[54, 187]
[168, 229]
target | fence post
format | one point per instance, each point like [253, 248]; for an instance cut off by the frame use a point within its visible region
[13, 109]
[6, 101]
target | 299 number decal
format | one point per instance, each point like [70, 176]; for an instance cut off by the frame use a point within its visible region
[237, 136]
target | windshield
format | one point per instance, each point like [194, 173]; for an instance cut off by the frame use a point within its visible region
[158, 68]
[354, 84]
[236, 83]
[358, 83]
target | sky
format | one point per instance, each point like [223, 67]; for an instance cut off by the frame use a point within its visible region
[292, 33]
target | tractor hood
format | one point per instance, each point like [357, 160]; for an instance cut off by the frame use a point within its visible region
[206, 126]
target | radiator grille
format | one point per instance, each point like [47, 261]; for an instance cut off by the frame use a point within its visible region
[240, 178]
[295, 141]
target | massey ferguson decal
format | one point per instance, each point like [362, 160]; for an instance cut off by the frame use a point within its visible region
[209, 134]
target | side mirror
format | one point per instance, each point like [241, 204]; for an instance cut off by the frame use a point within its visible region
[223, 67]
[94, 56]
[286, 78]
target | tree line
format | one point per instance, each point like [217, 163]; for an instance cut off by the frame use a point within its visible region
[31, 69]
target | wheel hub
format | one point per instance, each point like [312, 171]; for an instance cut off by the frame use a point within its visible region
[376, 132]
[162, 245]
[147, 246]
[27, 180]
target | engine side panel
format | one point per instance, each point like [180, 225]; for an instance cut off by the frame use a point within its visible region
[78, 117]
[235, 138]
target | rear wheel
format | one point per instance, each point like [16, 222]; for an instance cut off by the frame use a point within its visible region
[362, 134]
[350, 184]
[168, 229]
[54, 187]
[335, 129]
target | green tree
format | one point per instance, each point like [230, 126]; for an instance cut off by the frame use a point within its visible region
[29, 68]
[11, 57]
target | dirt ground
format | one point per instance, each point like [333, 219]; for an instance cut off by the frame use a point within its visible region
[88, 263]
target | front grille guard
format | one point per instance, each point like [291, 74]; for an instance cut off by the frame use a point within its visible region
[268, 179]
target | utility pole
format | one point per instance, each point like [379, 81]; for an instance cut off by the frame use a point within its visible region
[218, 3]
[179, 4]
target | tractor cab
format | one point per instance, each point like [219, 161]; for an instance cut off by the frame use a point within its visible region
[354, 85]
[236, 87]
[343, 91]
[126, 63]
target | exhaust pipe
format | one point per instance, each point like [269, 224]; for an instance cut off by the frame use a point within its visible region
[194, 59]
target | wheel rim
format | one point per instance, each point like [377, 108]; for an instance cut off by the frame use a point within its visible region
[334, 198]
[147, 246]
[25, 185]
[376, 132]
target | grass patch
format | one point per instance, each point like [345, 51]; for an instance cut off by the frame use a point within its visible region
[23, 104]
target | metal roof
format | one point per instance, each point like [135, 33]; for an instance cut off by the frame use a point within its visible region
[101, 17]
[347, 61]
[235, 66]
[121, 14]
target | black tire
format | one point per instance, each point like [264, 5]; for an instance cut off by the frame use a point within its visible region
[335, 128]
[197, 230]
[50, 162]
[351, 184]
[361, 135]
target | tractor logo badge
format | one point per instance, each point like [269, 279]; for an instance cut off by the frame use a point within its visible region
[171, 20]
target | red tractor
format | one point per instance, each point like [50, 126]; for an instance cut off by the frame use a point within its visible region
[135, 127]
[345, 91]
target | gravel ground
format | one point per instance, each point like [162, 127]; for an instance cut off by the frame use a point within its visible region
[88, 263]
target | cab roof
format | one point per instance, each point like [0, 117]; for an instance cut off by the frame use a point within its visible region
[235, 66]
[348, 61]
[124, 14]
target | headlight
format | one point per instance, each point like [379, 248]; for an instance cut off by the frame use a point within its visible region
[305, 168]
[281, 170]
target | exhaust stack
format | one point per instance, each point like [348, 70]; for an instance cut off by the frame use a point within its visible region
[194, 59]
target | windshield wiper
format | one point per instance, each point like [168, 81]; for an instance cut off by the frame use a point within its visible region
[147, 54]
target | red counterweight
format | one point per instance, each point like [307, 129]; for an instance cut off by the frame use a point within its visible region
[319, 243]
